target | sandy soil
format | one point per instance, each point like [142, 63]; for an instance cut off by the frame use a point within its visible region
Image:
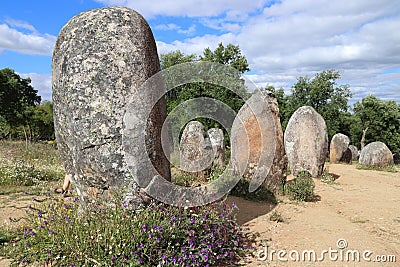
[361, 210]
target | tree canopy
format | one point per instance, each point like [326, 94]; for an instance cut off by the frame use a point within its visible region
[21, 113]
[229, 55]
[380, 119]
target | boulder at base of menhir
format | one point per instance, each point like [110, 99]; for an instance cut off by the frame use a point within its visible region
[306, 142]
[376, 154]
[339, 149]
[101, 59]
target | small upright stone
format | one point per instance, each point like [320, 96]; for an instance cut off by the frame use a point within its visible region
[354, 152]
[100, 60]
[376, 154]
[306, 142]
[196, 152]
[217, 142]
[339, 149]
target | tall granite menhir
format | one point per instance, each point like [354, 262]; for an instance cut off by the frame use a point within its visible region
[101, 58]
[306, 141]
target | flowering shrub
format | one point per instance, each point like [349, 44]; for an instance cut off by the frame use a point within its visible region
[59, 233]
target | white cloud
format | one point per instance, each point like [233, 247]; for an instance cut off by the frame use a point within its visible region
[13, 38]
[298, 38]
[174, 27]
[40, 82]
[194, 8]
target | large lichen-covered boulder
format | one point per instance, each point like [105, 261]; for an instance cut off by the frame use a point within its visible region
[101, 59]
[217, 137]
[196, 152]
[339, 149]
[376, 154]
[259, 143]
[306, 142]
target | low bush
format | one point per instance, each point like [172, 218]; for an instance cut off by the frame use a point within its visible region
[301, 188]
[60, 234]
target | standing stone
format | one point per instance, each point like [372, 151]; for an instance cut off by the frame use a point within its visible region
[101, 58]
[306, 142]
[339, 149]
[217, 142]
[376, 154]
[253, 137]
[354, 152]
[196, 152]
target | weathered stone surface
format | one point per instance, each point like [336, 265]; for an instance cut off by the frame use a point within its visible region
[253, 137]
[306, 142]
[101, 58]
[217, 142]
[196, 152]
[376, 154]
[354, 152]
[339, 149]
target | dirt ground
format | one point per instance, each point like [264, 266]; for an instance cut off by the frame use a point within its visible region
[360, 211]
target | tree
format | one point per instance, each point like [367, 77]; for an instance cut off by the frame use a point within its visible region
[381, 118]
[230, 56]
[41, 121]
[174, 58]
[328, 99]
[16, 97]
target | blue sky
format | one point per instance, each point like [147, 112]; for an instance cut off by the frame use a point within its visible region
[282, 40]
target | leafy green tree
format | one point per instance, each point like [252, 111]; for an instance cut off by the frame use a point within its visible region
[380, 119]
[16, 97]
[325, 96]
[175, 57]
[229, 56]
[41, 121]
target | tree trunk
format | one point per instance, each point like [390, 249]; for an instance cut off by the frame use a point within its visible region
[26, 137]
[363, 138]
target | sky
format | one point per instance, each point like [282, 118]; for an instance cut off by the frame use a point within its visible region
[282, 40]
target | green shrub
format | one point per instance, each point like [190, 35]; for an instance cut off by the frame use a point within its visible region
[326, 177]
[302, 187]
[115, 235]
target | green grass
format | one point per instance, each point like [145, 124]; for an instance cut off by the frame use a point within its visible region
[391, 168]
[28, 166]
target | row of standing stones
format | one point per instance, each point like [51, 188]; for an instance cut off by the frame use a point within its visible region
[101, 59]
[374, 154]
